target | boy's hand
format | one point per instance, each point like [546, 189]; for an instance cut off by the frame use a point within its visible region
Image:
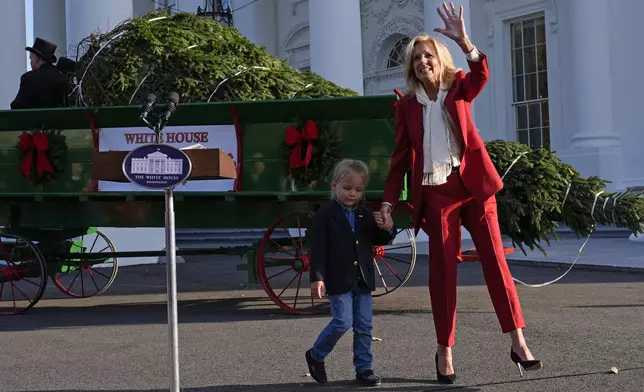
[383, 222]
[318, 289]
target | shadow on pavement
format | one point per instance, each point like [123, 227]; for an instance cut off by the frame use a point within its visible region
[190, 311]
[337, 386]
[560, 376]
[221, 275]
[332, 386]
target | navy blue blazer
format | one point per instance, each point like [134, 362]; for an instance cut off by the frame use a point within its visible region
[338, 254]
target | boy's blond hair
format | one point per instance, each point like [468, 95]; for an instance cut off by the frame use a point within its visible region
[342, 169]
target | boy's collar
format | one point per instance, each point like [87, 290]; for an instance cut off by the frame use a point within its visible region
[345, 208]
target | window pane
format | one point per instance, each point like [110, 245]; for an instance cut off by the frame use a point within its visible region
[546, 137]
[531, 87]
[397, 53]
[545, 113]
[530, 58]
[522, 137]
[519, 89]
[516, 35]
[534, 117]
[541, 30]
[517, 63]
[543, 84]
[522, 117]
[528, 32]
[542, 57]
[535, 138]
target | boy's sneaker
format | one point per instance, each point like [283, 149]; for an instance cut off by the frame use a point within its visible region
[316, 368]
[368, 377]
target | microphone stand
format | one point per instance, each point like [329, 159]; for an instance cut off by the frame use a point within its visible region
[171, 251]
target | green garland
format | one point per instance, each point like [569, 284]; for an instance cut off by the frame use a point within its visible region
[540, 192]
[56, 154]
[326, 153]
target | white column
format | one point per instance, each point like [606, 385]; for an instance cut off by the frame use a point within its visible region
[433, 20]
[49, 23]
[13, 61]
[85, 17]
[336, 42]
[142, 7]
[257, 21]
[595, 149]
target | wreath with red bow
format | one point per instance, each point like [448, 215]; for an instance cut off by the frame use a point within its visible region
[42, 155]
[311, 150]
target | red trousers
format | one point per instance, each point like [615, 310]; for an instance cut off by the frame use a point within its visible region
[444, 208]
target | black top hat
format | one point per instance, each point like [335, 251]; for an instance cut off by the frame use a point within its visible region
[44, 49]
[66, 65]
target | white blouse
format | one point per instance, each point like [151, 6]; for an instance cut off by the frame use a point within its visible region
[441, 150]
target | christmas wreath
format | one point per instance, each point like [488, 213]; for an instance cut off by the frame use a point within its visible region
[311, 150]
[42, 155]
[540, 192]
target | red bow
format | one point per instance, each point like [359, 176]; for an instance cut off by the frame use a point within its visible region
[39, 142]
[297, 137]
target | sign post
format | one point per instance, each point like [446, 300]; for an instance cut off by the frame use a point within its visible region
[162, 167]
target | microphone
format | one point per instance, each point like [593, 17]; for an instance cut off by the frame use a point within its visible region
[170, 106]
[147, 106]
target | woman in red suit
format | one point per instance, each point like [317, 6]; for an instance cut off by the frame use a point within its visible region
[453, 182]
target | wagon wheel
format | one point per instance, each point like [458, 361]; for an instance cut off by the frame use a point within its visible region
[394, 263]
[23, 274]
[91, 273]
[283, 263]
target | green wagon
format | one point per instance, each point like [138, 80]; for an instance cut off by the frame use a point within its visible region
[49, 230]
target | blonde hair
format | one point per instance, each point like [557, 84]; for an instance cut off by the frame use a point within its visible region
[444, 57]
[344, 167]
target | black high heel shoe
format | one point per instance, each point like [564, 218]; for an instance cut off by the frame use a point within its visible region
[442, 378]
[524, 365]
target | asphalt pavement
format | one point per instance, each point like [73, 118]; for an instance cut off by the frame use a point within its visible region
[233, 339]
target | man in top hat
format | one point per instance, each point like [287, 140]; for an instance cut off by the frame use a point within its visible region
[44, 86]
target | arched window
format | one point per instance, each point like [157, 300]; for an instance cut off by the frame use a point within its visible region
[397, 53]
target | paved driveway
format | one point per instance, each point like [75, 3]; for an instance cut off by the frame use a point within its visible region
[233, 339]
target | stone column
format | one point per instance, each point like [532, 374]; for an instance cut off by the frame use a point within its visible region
[13, 61]
[49, 23]
[336, 42]
[85, 17]
[257, 21]
[433, 20]
[594, 148]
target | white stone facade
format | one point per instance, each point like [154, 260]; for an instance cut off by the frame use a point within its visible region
[577, 93]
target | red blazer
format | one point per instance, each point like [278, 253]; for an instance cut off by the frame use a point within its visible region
[477, 170]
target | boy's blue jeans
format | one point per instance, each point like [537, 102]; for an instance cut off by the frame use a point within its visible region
[353, 309]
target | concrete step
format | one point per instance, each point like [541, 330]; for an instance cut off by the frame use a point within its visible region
[600, 232]
[218, 230]
[216, 238]
[212, 244]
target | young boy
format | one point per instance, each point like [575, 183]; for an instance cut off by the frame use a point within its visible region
[343, 235]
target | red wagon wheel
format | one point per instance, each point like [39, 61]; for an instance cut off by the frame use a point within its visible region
[89, 274]
[394, 263]
[23, 274]
[283, 263]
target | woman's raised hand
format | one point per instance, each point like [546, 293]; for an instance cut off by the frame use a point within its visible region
[454, 22]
